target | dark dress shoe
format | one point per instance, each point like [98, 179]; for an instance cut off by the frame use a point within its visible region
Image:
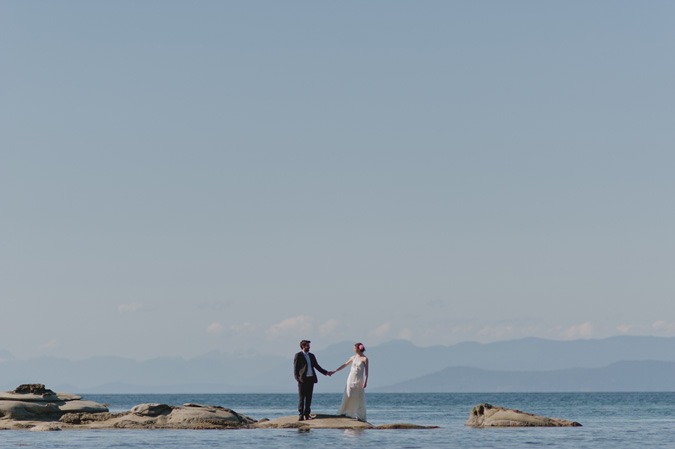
[301, 418]
[307, 417]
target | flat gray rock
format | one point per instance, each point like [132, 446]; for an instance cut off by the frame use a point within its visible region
[151, 409]
[27, 410]
[81, 407]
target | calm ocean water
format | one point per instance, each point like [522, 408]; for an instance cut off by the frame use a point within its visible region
[610, 421]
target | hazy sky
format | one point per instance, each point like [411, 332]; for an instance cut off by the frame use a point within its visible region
[183, 176]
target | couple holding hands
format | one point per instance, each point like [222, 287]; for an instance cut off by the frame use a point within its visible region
[354, 398]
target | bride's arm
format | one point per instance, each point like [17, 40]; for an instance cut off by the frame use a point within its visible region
[347, 363]
[365, 379]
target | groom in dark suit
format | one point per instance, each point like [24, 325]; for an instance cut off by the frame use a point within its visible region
[305, 367]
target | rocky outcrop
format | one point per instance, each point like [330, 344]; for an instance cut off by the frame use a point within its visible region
[36, 393]
[163, 416]
[143, 416]
[33, 389]
[486, 415]
[37, 408]
[34, 401]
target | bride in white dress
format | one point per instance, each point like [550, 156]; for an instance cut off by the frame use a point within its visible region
[354, 398]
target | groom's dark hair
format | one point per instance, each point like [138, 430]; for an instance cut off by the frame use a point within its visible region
[304, 343]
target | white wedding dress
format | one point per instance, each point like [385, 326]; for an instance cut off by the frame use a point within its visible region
[354, 398]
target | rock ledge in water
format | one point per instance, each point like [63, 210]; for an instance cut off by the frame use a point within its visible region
[318, 422]
[328, 422]
[486, 415]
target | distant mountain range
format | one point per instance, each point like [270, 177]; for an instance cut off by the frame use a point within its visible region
[620, 376]
[530, 364]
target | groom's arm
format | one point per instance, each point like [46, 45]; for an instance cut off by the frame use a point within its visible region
[318, 367]
[296, 368]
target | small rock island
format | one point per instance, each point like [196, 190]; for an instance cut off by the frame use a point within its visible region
[34, 407]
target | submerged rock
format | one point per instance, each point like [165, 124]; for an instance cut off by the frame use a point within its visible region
[318, 422]
[403, 426]
[486, 415]
[328, 422]
[46, 427]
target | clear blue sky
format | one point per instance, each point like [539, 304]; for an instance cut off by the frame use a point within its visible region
[179, 176]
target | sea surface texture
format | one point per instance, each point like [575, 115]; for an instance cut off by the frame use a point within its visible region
[610, 421]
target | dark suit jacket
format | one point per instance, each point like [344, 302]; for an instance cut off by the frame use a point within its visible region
[300, 367]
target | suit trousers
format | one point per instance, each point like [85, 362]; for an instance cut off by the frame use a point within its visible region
[305, 390]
